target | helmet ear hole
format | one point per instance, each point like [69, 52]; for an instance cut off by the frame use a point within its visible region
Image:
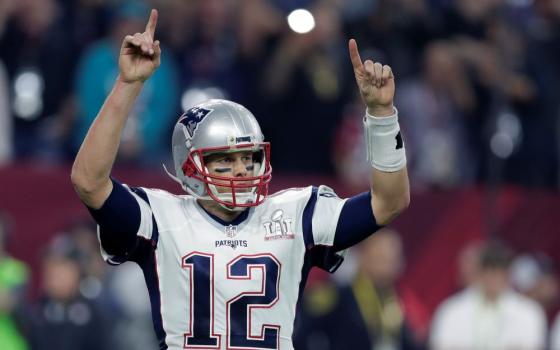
[188, 168]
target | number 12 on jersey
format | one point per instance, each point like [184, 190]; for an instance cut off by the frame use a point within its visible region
[238, 309]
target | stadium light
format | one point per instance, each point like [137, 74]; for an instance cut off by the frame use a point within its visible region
[301, 21]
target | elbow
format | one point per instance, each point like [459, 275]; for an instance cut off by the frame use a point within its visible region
[82, 183]
[76, 177]
[79, 181]
[404, 203]
[384, 214]
[400, 205]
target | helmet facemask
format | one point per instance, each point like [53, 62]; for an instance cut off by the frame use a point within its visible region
[232, 193]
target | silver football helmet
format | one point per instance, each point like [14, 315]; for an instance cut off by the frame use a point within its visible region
[220, 126]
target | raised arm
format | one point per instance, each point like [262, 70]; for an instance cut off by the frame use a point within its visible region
[138, 59]
[389, 178]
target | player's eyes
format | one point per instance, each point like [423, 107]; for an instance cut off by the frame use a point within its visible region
[229, 160]
[224, 160]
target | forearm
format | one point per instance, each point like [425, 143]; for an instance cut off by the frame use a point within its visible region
[93, 163]
[390, 194]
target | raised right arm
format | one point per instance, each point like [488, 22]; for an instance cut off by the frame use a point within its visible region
[139, 57]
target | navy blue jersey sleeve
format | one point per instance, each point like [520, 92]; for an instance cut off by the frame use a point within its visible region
[356, 222]
[119, 221]
[320, 252]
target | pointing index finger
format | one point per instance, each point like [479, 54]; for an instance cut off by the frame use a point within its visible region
[152, 22]
[355, 55]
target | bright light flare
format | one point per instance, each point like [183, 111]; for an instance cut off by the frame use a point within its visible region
[301, 21]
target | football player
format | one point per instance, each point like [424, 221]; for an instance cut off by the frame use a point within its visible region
[225, 264]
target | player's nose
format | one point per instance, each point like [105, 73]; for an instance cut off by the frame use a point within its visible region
[239, 168]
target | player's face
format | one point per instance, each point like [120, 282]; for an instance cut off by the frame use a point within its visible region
[237, 165]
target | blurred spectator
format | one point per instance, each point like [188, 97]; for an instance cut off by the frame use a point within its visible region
[348, 148]
[208, 55]
[468, 18]
[178, 26]
[13, 280]
[7, 9]
[62, 318]
[541, 123]
[373, 312]
[133, 321]
[396, 31]
[434, 108]
[535, 277]
[257, 21]
[489, 314]
[312, 70]
[87, 20]
[259, 24]
[217, 45]
[469, 258]
[555, 334]
[110, 290]
[39, 54]
[6, 130]
[146, 136]
[83, 236]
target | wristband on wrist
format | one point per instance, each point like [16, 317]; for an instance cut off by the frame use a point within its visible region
[384, 144]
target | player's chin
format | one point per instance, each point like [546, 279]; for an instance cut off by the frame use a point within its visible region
[221, 189]
[238, 187]
[235, 189]
[245, 186]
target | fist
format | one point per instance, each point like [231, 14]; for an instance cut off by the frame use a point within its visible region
[375, 82]
[140, 55]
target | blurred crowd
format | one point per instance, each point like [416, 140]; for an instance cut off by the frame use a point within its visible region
[477, 81]
[502, 301]
[81, 302]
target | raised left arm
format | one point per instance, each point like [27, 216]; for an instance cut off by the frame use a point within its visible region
[389, 178]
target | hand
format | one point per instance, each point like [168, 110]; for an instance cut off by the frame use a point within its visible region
[140, 54]
[375, 81]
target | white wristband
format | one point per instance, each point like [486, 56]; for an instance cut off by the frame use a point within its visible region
[384, 144]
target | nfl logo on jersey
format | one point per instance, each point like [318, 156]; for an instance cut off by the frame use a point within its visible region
[230, 231]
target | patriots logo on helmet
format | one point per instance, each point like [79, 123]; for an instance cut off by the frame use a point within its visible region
[192, 118]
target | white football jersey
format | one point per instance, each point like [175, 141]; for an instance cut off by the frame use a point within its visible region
[217, 285]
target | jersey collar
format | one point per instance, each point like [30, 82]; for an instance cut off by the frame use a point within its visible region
[237, 221]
